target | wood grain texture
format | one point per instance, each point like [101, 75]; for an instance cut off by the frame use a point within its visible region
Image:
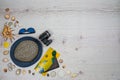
[89, 29]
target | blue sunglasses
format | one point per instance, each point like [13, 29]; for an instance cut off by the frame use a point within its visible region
[27, 31]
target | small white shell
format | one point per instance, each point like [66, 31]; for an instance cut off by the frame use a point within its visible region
[68, 72]
[5, 59]
[5, 52]
[9, 68]
[13, 18]
[23, 72]
[60, 60]
[10, 23]
[9, 64]
[61, 73]
[18, 71]
[74, 75]
[13, 66]
[53, 74]
[7, 16]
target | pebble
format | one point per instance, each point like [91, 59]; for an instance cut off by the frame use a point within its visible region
[9, 64]
[29, 71]
[5, 70]
[60, 60]
[5, 60]
[13, 18]
[68, 72]
[18, 71]
[5, 52]
[74, 75]
[33, 73]
[7, 16]
[10, 68]
[80, 72]
[10, 23]
[7, 9]
[23, 72]
[48, 75]
[6, 23]
[61, 73]
[64, 66]
[81, 37]
[53, 74]
[16, 23]
[13, 67]
[76, 49]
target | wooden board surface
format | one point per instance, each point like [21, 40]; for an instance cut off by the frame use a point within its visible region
[89, 29]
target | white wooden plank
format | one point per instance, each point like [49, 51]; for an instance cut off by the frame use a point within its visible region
[97, 21]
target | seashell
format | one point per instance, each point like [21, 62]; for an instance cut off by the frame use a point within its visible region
[74, 75]
[7, 16]
[16, 23]
[48, 75]
[13, 67]
[60, 60]
[68, 72]
[5, 70]
[5, 52]
[80, 72]
[53, 74]
[9, 64]
[10, 23]
[13, 18]
[18, 71]
[5, 59]
[61, 73]
[23, 72]
[29, 71]
[63, 66]
[7, 9]
[9, 68]
[33, 73]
